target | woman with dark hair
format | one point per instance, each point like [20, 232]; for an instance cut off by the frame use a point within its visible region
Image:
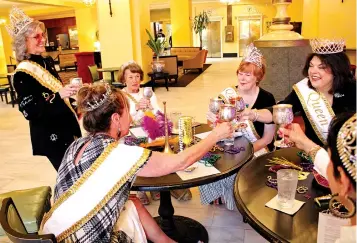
[338, 165]
[42, 98]
[93, 184]
[328, 89]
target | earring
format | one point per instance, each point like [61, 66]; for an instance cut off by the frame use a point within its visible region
[335, 206]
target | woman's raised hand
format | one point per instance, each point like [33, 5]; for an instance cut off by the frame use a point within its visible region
[247, 114]
[68, 90]
[223, 130]
[293, 133]
[143, 104]
[211, 117]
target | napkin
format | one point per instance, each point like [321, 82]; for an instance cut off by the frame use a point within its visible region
[138, 132]
[205, 134]
[274, 204]
[200, 171]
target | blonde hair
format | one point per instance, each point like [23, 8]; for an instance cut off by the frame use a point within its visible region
[19, 42]
[134, 68]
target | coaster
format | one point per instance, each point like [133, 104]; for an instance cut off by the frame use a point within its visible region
[274, 204]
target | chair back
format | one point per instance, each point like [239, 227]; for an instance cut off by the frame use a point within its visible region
[94, 73]
[170, 64]
[11, 68]
[14, 228]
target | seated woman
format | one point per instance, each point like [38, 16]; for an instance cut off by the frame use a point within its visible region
[338, 165]
[96, 174]
[250, 72]
[328, 89]
[131, 74]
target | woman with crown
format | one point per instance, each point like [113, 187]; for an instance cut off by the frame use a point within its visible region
[131, 74]
[42, 99]
[250, 72]
[338, 165]
[93, 184]
[328, 89]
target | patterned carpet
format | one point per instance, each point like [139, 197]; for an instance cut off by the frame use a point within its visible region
[67, 76]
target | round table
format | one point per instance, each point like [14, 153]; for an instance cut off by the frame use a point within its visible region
[158, 76]
[251, 195]
[183, 229]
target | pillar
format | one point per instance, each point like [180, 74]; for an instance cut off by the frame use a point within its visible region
[181, 24]
[86, 20]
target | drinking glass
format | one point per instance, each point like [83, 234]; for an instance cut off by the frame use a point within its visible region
[282, 115]
[185, 131]
[148, 93]
[227, 113]
[78, 82]
[287, 184]
[174, 117]
[214, 106]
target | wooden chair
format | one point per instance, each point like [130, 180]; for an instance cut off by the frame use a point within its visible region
[93, 69]
[171, 66]
[14, 227]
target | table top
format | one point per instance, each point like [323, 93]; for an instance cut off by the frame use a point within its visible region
[109, 69]
[228, 164]
[251, 195]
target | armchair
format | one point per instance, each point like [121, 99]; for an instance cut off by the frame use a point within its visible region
[196, 62]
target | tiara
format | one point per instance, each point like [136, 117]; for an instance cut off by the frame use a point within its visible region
[326, 46]
[253, 55]
[346, 145]
[127, 64]
[18, 21]
[91, 106]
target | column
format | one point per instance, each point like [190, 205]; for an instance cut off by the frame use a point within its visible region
[181, 24]
[6, 41]
[3, 68]
[115, 33]
[86, 21]
[310, 19]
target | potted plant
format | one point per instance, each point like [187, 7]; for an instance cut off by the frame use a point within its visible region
[200, 22]
[157, 46]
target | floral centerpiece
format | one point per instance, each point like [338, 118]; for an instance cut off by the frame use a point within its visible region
[154, 125]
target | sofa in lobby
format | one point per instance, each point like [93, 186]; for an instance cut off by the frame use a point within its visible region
[195, 62]
[184, 53]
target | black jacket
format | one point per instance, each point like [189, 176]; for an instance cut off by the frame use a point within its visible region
[53, 126]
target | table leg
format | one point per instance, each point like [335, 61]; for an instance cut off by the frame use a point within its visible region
[153, 83]
[179, 228]
[112, 77]
[166, 84]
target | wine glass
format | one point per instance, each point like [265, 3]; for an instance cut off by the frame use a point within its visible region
[282, 115]
[148, 93]
[228, 113]
[214, 106]
[79, 83]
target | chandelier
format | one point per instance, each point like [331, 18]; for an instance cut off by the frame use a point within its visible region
[88, 2]
[229, 2]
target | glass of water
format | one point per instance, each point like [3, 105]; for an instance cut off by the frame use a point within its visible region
[287, 184]
[174, 117]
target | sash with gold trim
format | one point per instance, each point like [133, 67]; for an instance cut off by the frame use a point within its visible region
[87, 196]
[316, 107]
[45, 78]
[249, 131]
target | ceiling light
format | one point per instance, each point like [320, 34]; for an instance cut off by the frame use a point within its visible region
[88, 2]
[229, 2]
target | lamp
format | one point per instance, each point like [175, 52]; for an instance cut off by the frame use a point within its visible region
[2, 21]
[88, 2]
[229, 2]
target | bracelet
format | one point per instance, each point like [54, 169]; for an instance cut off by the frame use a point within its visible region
[256, 115]
[313, 151]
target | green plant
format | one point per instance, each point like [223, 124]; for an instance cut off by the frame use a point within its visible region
[157, 46]
[200, 22]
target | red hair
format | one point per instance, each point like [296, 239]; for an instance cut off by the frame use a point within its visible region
[248, 67]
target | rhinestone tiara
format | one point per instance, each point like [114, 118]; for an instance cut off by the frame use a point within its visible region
[327, 46]
[96, 103]
[346, 145]
[124, 65]
[18, 21]
[253, 55]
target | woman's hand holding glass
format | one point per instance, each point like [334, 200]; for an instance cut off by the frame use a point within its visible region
[293, 133]
[68, 90]
[223, 130]
[143, 104]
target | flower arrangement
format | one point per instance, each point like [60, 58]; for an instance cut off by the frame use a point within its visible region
[154, 124]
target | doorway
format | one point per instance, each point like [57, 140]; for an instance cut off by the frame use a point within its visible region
[212, 39]
[249, 30]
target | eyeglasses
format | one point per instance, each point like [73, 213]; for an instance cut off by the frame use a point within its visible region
[38, 37]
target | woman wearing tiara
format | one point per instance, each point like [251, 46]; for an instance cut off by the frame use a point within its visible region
[42, 98]
[328, 89]
[93, 184]
[131, 75]
[250, 72]
[338, 165]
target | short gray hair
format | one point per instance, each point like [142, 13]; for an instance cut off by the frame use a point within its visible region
[19, 42]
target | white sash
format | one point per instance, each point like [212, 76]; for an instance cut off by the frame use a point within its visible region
[44, 77]
[316, 107]
[249, 132]
[94, 189]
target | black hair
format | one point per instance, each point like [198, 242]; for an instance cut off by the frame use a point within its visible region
[338, 63]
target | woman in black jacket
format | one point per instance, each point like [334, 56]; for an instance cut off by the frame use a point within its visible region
[42, 99]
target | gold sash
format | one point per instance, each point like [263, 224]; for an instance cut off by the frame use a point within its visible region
[316, 107]
[70, 212]
[44, 77]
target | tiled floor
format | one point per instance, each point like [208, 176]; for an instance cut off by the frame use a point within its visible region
[20, 170]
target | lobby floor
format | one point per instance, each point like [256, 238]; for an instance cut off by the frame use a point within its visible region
[21, 170]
